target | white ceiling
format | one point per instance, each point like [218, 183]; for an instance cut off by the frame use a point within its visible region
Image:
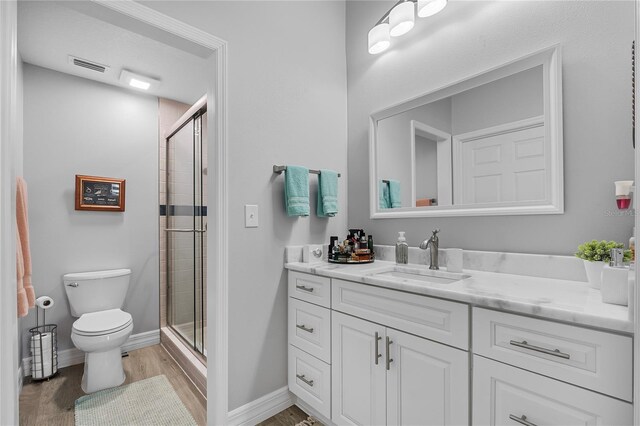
[50, 31]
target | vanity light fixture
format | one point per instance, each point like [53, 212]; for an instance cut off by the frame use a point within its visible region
[430, 7]
[399, 20]
[138, 81]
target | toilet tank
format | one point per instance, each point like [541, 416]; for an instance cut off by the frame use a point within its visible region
[96, 291]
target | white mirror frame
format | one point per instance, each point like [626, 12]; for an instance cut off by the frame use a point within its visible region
[550, 59]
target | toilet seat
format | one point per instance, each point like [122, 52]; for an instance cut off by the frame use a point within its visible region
[102, 322]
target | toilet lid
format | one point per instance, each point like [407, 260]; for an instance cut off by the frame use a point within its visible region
[102, 322]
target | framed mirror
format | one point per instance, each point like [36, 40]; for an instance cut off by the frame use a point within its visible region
[490, 144]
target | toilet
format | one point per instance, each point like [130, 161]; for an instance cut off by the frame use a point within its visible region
[102, 327]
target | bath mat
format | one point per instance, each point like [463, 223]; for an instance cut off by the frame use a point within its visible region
[309, 422]
[147, 402]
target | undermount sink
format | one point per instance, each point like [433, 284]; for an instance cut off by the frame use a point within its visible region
[423, 275]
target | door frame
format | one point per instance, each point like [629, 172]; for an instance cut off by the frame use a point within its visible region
[10, 379]
[217, 237]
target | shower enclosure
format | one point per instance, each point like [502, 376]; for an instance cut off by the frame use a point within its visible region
[186, 227]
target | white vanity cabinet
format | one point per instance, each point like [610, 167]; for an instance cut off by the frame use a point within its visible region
[384, 376]
[558, 365]
[369, 355]
[379, 374]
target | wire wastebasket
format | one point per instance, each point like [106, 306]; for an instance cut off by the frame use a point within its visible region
[44, 351]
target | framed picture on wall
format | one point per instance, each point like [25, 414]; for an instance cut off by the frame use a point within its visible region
[99, 193]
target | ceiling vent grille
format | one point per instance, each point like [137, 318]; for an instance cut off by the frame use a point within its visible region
[83, 63]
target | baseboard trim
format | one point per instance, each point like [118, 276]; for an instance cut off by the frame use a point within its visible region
[261, 409]
[73, 356]
[20, 379]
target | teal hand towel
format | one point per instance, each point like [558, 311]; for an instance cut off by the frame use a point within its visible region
[383, 193]
[394, 194]
[327, 193]
[296, 190]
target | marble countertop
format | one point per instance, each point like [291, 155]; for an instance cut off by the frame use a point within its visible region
[556, 299]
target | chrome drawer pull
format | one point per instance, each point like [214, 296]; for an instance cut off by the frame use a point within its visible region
[301, 377]
[303, 328]
[554, 352]
[303, 288]
[522, 420]
[378, 355]
[389, 359]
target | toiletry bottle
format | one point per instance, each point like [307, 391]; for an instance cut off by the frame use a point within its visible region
[370, 243]
[402, 249]
[335, 251]
[632, 245]
[364, 244]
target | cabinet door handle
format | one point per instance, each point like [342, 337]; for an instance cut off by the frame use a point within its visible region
[303, 328]
[389, 359]
[522, 420]
[377, 339]
[554, 352]
[304, 379]
[304, 288]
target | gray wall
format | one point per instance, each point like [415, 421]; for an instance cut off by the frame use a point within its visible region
[513, 98]
[470, 37]
[287, 105]
[76, 126]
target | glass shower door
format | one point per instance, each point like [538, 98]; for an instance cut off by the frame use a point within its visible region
[186, 228]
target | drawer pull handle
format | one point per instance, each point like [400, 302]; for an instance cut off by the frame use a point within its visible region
[303, 328]
[304, 379]
[522, 420]
[378, 355]
[554, 352]
[389, 359]
[304, 288]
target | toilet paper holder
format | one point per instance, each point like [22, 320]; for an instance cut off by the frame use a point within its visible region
[43, 343]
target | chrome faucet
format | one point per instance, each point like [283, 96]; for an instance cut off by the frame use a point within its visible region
[434, 243]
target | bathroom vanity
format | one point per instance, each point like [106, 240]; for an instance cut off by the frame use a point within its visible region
[385, 344]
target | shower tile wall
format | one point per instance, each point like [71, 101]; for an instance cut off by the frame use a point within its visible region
[169, 112]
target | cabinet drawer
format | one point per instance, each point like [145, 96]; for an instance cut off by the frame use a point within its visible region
[310, 380]
[592, 359]
[310, 328]
[434, 319]
[310, 288]
[502, 394]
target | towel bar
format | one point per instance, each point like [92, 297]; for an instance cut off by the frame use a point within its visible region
[280, 169]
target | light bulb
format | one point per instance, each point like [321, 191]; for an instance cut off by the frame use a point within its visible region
[430, 7]
[401, 18]
[379, 39]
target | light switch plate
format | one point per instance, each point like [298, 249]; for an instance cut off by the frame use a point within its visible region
[251, 216]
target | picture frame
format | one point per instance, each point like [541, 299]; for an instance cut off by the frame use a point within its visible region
[98, 193]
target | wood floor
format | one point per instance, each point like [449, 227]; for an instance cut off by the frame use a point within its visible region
[51, 402]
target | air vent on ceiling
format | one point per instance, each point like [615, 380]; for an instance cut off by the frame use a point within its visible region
[87, 64]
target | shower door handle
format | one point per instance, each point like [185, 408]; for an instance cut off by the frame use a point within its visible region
[185, 230]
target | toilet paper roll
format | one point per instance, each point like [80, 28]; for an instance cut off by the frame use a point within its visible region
[43, 339]
[44, 302]
[42, 370]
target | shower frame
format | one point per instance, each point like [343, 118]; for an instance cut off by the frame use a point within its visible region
[195, 114]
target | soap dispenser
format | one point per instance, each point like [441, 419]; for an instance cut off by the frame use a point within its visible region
[615, 280]
[402, 249]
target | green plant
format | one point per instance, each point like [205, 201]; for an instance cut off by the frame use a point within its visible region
[594, 251]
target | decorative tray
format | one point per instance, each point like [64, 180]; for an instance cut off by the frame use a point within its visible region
[347, 261]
